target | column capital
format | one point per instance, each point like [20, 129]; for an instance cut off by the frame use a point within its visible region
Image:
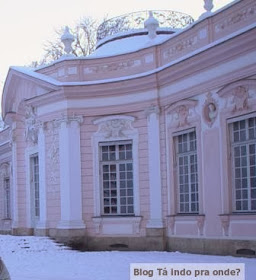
[69, 119]
[153, 109]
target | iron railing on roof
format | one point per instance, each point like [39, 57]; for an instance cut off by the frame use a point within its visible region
[133, 21]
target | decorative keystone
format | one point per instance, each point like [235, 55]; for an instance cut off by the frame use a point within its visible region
[151, 24]
[67, 39]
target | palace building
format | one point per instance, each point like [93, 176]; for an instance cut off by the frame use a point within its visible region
[149, 143]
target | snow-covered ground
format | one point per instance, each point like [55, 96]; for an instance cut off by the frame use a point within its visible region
[39, 258]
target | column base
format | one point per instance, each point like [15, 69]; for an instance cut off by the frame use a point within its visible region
[22, 231]
[155, 223]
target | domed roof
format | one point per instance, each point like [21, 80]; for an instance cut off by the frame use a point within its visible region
[129, 32]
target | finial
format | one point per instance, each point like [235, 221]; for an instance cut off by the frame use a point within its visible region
[208, 5]
[151, 24]
[67, 39]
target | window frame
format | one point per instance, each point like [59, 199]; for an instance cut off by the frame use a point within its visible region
[175, 136]
[103, 133]
[7, 197]
[117, 162]
[232, 145]
[35, 184]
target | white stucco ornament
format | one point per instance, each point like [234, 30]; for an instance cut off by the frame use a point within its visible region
[210, 110]
[31, 132]
[67, 39]
[151, 24]
[208, 6]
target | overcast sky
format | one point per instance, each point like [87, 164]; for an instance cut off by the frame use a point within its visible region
[27, 24]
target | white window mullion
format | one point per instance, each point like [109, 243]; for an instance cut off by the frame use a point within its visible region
[118, 189]
[189, 184]
[248, 177]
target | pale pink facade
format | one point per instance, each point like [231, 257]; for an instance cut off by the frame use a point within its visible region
[149, 150]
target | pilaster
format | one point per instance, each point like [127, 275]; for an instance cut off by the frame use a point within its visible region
[70, 173]
[14, 186]
[156, 219]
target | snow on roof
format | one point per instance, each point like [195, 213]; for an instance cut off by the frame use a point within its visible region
[31, 72]
[127, 45]
[142, 41]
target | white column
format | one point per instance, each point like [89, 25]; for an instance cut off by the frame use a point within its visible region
[14, 188]
[156, 219]
[42, 223]
[70, 173]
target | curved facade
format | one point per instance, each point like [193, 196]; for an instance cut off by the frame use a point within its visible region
[148, 150]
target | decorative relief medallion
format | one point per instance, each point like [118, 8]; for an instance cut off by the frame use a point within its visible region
[240, 98]
[115, 126]
[210, 110]
[239, 95]
[180, 112]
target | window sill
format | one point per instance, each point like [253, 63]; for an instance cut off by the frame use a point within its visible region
[187, 216]
[239, 216]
